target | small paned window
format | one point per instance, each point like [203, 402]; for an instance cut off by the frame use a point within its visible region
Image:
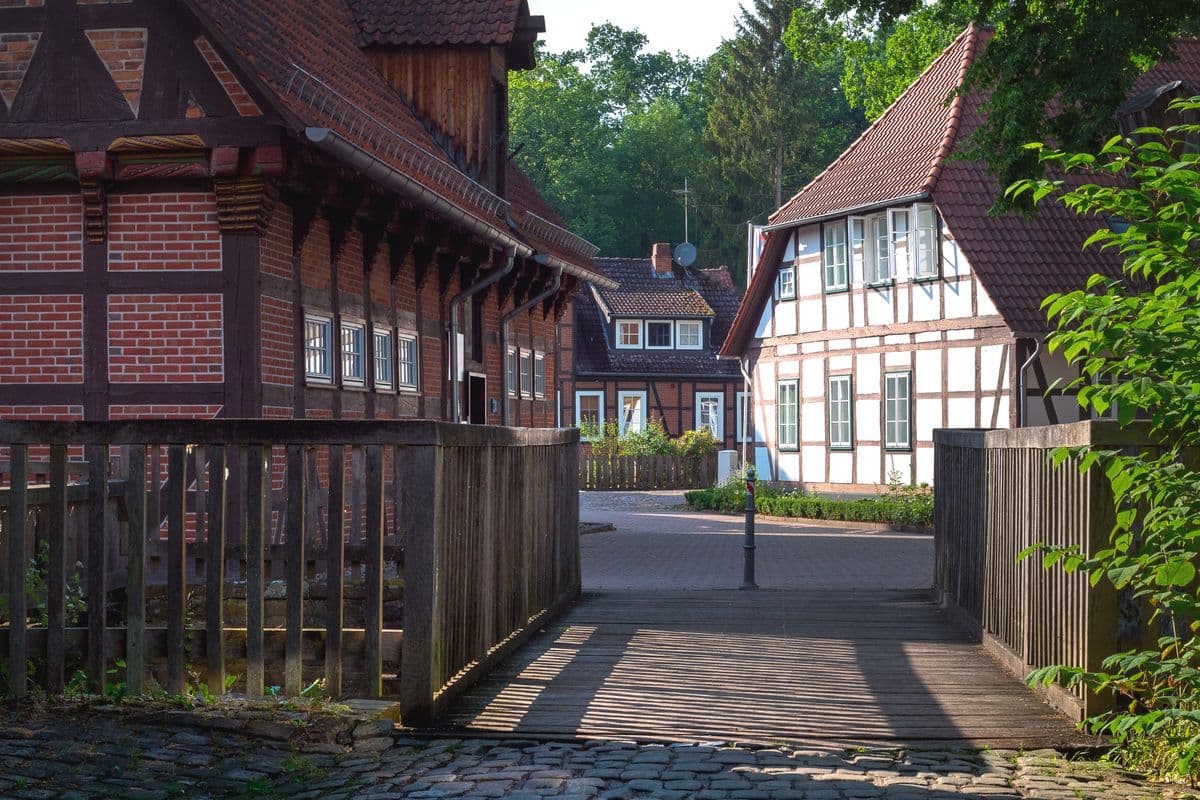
[353, 368]
[629, 333]
[526, 373]
[928, 252]
[879, 261]
[787, 282]
[896, 412]
[900, 246]
[835, 257]
[633, 411]
[744, 420]
[539, 375]
[406, 361]
[690, 335]
[710, 413]
[384, 367]
[318, 346]
[787, 411]
[841, 413]
[510, 371]
[659, 335]
[589, 410]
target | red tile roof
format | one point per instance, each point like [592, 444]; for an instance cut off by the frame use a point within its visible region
[904, 153]
[643, 293]
[435, 22]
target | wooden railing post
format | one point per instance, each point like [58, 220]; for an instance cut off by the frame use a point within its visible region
[421, 503]
[214, 597]
[56, 579]
[97, 576]
[373, 539]
[176, 568]
[18, 528]
[335, 550]
[135, 587]
[293, 677]
[258, 521]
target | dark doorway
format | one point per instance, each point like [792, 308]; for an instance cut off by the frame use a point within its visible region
[476, 399]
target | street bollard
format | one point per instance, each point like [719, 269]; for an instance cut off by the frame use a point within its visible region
[748, 547]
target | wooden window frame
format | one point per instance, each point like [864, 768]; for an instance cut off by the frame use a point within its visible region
[641, 334]
[789, 293]
[622, 427]
[784, 445]
[718, 434]
[326, 321]
[599, 395]
[830, 268]
[679, 325]
[525, 359]
[411, 338]
[385, 355]
[849, 405]
[539, 375]
[894, 446]
[933, 234]
[743, 418]
[511, 373]
[670, 326]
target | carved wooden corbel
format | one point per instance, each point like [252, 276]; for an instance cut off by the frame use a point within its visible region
[95, 169]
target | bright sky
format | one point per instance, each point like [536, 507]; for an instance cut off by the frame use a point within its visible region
[694, 26]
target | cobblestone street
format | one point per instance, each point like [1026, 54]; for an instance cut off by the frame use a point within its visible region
[103, 759]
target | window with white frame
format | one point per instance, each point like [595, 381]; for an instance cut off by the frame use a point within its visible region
[510, 371]
[526, 373]
[787, 281]
[928, 255]
[786, 412]
[835, 256]
[841, 413]
[900, 246]
[879, 260]
[632, 407]
[353, 352]
[897, 404]
[856, 270]
[589, 410]
[744, 420]
[710, 413]
[406, 361]
[385, 369]
[689, 334]
[659, 334]
[629, 333]
[539, 374]
[318, 348]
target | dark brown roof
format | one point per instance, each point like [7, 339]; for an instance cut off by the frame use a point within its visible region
[642, 293]
[435, 22]
[680, 295]
[904, 153]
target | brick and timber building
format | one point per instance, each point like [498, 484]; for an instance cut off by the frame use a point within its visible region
[647, 349]
[286, 209]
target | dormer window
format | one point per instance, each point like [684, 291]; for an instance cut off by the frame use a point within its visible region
[659, 334]
[629, 334]
[689, 334]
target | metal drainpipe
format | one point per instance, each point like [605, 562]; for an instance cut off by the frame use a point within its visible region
[510, 255]
[528, 304]
[747, 411]
[1022, 400]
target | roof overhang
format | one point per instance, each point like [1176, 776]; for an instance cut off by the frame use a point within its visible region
[846, 212]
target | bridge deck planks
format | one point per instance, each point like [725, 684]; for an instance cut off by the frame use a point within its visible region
[836, 668]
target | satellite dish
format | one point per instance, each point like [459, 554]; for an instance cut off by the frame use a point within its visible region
[685, 254]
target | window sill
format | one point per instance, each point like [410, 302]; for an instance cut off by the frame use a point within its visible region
[884, 284]
[354, 387]
[926, 278]
[907, 449]
[788, 448]
[841, 448]
[786, 298]
[318, 383]
[837, 290]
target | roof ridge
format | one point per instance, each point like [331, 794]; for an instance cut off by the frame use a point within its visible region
[878, 121]
[954, 118]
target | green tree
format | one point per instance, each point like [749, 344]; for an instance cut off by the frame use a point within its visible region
[1078, 56]
[1136, 341]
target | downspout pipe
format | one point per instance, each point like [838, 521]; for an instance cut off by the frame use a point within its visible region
[509, 317]
[1022, 382]
[747, 411]
[492, 278]
[386, 175]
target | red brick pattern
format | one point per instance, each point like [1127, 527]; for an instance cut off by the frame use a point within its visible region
[164, 232]
[123, 51]
[276, 412]
[165, 338]
[350, 270]
[41, 233]
[41, 413]
[16, 52]
[41, 338]
[163, 412]
[277, 332]
[21, 3]
[314, 257]
[275, 250]
[241, 99]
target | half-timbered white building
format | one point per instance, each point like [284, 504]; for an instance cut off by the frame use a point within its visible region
[888, 302]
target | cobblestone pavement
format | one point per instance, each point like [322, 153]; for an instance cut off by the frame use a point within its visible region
[97, 759]
[659, 545]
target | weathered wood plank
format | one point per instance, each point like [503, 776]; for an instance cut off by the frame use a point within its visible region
[214, 595]
[335, 554]
[176, 568]
[373, 489]
[135, 571]
[18, 531]
[56, 572]
[421, 497]
[258, 523]
[296, 494]
[97, 573]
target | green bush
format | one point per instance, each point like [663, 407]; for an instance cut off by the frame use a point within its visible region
[653, 440]
[899, 505]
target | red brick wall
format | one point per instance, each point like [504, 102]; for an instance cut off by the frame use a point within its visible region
[41, 413]
[41, 338]
[163, 412]
[41, 233]
[278, 331]
[163, 232]
[162, 338]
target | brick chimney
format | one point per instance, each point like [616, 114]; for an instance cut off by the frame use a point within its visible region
[660, 258]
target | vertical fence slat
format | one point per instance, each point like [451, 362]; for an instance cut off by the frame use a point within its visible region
[214, 595]
[56, 578]
[293, 672]
[335, 571]
[18, 530]
[373, 487]
[420, 527]
[176, 567]
[135, 583]
[97, 576]
[258, 522]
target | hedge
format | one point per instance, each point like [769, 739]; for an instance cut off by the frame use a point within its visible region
[897, 506]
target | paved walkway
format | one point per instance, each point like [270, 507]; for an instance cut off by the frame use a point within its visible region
[841, 645]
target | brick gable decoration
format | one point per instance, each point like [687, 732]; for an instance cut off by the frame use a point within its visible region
[123, 51]
[16, 52]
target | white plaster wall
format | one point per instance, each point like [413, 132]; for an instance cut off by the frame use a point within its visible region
[813, 464]
[866, 377]
[928, 417]
[837, 311]
[812, 422]
[900, 463]
[958, 298]
[841, 467]
[993, 368]
[810, 315]
[926, 301]
[927, 376]
[879, 306]
[785, 318]
[953, 260]
[896, 359]
[763, 464]
[868, 464]
[813, 374]
[763, 329]
[987, 308]
[867, 422]
[903, 312]
[924, 465]
[960, 412]
[789, 467]
[960, 366]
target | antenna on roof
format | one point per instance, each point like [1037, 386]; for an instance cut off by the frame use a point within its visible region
[685, 253]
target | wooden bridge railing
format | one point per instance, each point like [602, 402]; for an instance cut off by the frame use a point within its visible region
[476, 529]
[997, 493]
[614, 473]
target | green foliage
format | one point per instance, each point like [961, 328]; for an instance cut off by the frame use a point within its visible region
[1080, 56]
[37, 592]
[606, 440]
[899, 505]
[1136, 341]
